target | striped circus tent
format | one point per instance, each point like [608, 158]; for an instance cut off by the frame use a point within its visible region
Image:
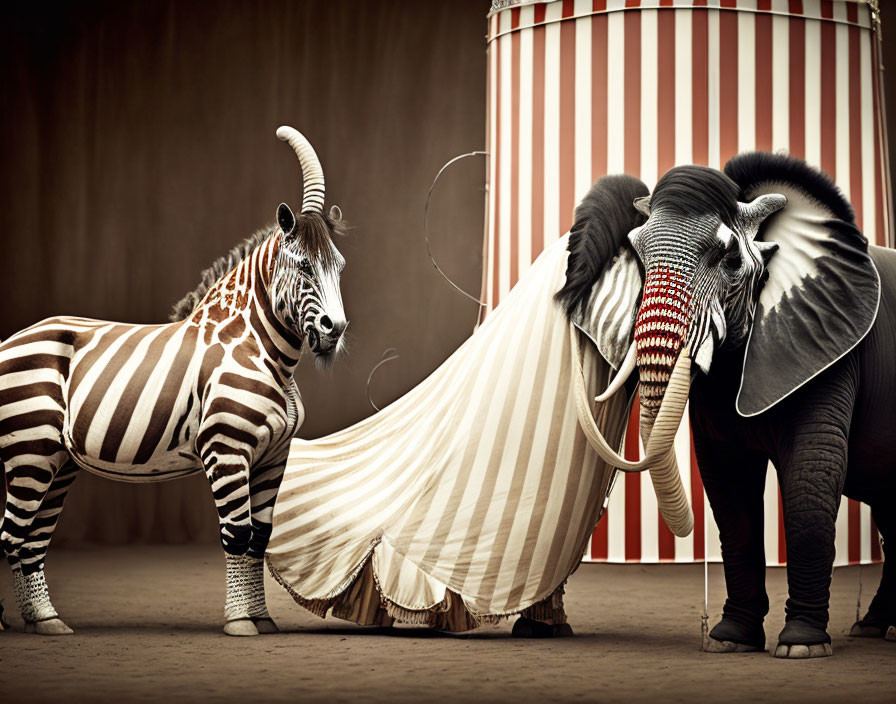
[471, 497]
[581, 88]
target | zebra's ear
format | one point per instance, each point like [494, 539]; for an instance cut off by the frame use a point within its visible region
[285, 219]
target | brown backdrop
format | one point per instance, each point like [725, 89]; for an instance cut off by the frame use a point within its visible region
[138, 144]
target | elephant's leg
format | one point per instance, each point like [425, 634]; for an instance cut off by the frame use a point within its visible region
[734, 479]
[811, 474]
[880, 619]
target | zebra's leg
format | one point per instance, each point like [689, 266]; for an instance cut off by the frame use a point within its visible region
[264, 483]
[227, 469]
[31, 480]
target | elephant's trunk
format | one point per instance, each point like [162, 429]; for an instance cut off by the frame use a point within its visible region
[659, 335]
[659, 338]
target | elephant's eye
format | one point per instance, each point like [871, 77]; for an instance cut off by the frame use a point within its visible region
[733, 260]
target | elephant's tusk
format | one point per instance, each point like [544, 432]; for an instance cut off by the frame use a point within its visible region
[625, 370]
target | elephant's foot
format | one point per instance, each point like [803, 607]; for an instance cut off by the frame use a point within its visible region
[729, 636]
[801, 652]
[530, 628]
[800, 640]
[3, 624]
[891, 634]
[48, 627]
[241, 627]
[868, 628]
[265, 625]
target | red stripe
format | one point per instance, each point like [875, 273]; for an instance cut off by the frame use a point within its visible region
[496, 234]
[829, 91]
[538, 13]
[665, 138]
[797, 82]
[483, 290]
[600, 539]
[514, 154]
[852, 13]
[537, 139]
[855, 124]
[764, 82]
[697, 503]
[782, 538]
[827, 9]
[854, 532]
[764, 5]
[598, 6]
[567, 149]
[700, 88]
[514, 17]
[598, 95]
[569, 7]
[875, 543]
[632, 491]
[632, 57]
[727, 85]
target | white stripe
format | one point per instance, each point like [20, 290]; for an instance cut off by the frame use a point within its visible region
[869, 158]
[841, 90]
[683, 78]
[864, 533]
[505, 149]
[770, 515]
[615, 94]
[813, 93]
[841, 539]
[649, 98]
[713, 56]
[780, 83]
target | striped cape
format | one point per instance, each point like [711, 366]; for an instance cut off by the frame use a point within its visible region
[470, 498]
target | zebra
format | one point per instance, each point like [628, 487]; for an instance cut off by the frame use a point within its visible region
[211, 391]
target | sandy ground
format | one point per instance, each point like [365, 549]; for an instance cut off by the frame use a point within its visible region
[148, 620]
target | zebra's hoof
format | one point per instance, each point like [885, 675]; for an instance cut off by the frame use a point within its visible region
[891, 634]
[240, 627]
[50, 627]
[265, 625]
[802, 652]
[711, 645]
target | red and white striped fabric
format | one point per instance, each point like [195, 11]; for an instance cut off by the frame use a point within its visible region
[580, 88]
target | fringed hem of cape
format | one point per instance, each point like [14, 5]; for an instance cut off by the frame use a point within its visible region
[363, 602]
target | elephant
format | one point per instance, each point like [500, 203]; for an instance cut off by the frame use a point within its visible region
[753, 290]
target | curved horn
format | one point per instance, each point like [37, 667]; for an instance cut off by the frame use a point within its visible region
[625, 370]
[312, 173]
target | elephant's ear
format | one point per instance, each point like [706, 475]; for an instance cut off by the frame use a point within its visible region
[822, 292]
[603, 277]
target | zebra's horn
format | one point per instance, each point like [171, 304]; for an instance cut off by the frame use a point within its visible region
[312, 173]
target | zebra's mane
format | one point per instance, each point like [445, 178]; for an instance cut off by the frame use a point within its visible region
[219, 267]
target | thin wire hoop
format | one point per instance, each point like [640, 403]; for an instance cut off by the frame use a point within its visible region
[426, 226]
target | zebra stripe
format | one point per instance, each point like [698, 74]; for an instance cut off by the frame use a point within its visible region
[213, 392]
